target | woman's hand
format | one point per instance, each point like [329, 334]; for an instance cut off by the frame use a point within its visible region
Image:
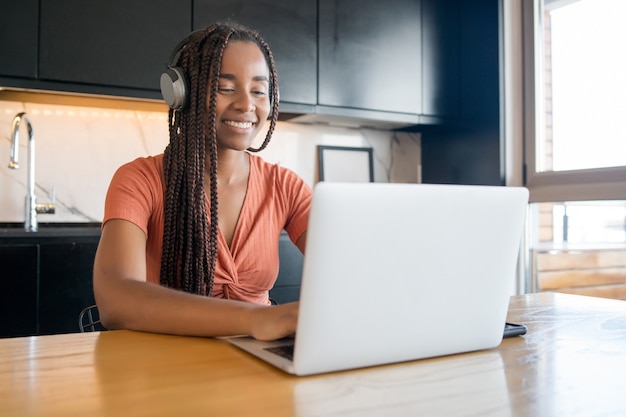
[276, 322]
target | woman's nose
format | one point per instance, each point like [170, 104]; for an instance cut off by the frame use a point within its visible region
[245, 102]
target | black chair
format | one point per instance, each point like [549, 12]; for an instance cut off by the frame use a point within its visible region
[287, 286]
[89, 320]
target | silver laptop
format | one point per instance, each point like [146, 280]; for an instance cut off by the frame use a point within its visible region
[399, 272]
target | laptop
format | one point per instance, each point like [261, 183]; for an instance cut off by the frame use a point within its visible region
[400, 272]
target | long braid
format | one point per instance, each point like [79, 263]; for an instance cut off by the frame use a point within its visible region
[195, 269]
[274, 83]
[185, 254]
[189, 238]
[215, 71]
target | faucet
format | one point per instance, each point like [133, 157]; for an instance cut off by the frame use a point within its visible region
[31, 206]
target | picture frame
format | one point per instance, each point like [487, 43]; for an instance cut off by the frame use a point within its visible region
[345, 164]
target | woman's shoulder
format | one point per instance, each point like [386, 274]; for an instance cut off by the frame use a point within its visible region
[143, 172]
[145, 167]
[145, 163]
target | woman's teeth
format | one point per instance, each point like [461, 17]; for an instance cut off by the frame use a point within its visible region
[240, 125]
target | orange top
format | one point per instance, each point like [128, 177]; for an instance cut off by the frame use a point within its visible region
[276, 199]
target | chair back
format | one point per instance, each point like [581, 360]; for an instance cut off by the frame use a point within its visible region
[89, 320]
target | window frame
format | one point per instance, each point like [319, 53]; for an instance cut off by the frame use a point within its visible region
[554, 186]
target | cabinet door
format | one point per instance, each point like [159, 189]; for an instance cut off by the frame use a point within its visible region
[479, 61]
[370, 54]
[65, 284]
[468, 150]
[289, 27]
[18, 290]
[113, 43]
[18, 38]
[440, 58]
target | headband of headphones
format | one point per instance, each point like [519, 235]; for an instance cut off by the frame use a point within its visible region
[174, 84]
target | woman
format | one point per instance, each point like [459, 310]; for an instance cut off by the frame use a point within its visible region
[169, 260]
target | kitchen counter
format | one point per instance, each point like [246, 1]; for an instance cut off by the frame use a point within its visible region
[15, 231]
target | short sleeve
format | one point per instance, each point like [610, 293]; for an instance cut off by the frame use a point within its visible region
[297, 196]
[134, 191]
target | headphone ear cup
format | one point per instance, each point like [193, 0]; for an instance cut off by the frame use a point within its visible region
[174, 88]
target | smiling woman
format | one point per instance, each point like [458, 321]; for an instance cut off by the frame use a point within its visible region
[213, 267]
[242, 101]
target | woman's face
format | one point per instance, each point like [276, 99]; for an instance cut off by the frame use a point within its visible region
[243, 97]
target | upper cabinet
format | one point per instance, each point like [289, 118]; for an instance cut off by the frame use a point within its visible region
[370, 55]
[406, 62]
[111, 43]
[479, 61]
[440, 58]
[460, 61]
[19, 32]
[289, 27]
[461, 82]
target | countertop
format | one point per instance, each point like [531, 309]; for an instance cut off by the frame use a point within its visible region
[570, 363]
[48, 230]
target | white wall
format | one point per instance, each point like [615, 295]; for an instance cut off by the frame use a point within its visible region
[78, 148]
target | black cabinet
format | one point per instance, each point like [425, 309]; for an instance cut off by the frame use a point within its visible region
[110, 43]
[370, 55]
[65, 283]
[19, 33]
[46, 281]
[407, 62]
[441, 74]
[479, 54]
[467, 148]
[18, 290]
[289, 27]
[460, 58]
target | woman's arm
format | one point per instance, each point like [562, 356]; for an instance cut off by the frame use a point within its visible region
[126, 301]
[301, 242]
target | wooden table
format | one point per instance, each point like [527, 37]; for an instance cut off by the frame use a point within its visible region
[571, 363]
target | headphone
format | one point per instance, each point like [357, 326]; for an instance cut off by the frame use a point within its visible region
[174, 85]
[173, 82]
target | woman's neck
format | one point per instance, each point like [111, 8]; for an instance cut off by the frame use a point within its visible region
[232, 166]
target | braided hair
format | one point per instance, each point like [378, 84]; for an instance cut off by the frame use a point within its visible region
[189, 236]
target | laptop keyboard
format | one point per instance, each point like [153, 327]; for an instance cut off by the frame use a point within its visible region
[286, 351]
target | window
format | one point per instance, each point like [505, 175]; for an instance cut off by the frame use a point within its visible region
[579, 146]
[585, 86]
[575, 146]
